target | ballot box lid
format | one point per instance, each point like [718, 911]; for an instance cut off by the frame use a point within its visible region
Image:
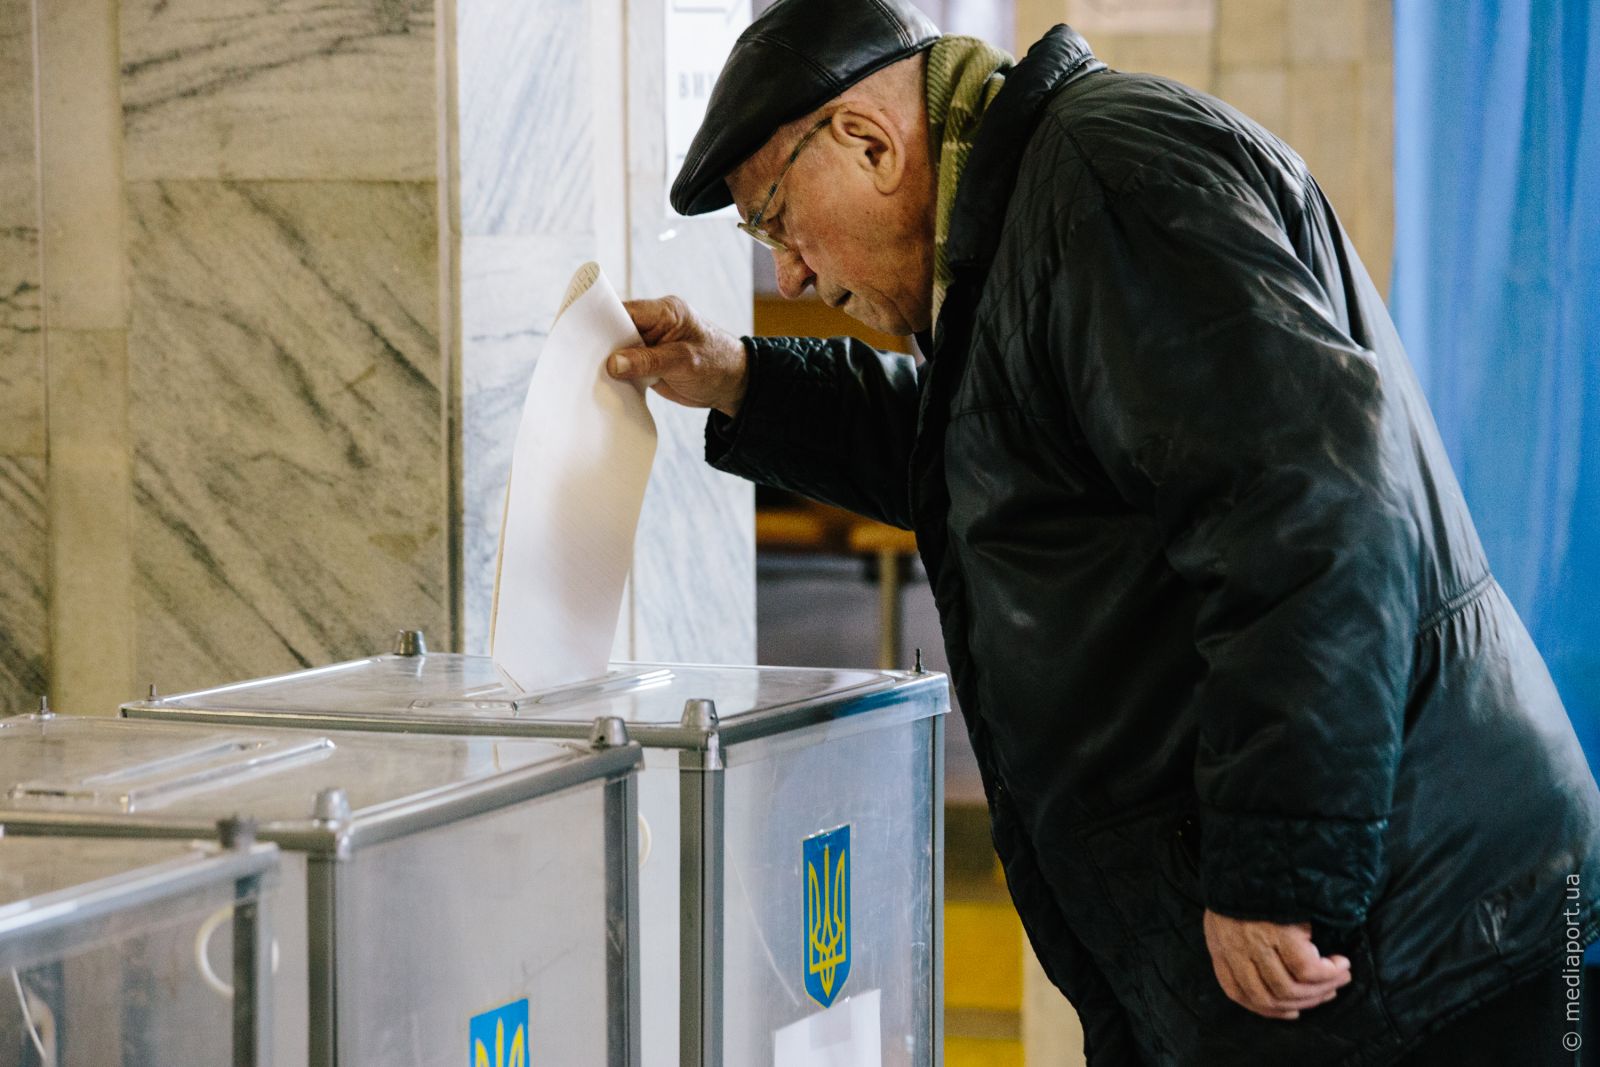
[667, 705]
[303, 790]
[60, 894]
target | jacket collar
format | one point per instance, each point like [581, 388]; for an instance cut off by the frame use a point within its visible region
[1058, 57]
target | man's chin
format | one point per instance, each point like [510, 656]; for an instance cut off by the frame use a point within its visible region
[889, 322]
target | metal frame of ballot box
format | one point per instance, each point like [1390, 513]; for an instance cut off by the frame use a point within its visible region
[95, 893]
[783, 720]
[351, 812]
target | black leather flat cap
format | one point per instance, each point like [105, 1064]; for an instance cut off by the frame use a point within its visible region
[793, 59]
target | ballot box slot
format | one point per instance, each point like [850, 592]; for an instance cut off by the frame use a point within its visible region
[139, 785]
[496, 698]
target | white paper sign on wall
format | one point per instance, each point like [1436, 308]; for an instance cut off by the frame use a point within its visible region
[1142, 16]
[700, 34]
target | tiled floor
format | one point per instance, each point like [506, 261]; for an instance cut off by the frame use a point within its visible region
[983, 949]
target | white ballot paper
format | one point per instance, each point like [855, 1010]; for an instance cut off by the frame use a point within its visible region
[845, 1035]
[578, 475]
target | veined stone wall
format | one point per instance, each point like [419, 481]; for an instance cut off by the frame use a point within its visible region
[273, 277]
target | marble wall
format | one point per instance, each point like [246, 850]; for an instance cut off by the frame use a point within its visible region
[285, 386]
[285, 371]
[284, 266]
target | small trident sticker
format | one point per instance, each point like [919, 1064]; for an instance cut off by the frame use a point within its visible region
[826, 859]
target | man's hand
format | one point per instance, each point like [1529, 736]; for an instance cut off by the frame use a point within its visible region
[699, 365]
[1272, 969]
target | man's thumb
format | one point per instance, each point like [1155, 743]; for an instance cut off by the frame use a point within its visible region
[630, 363]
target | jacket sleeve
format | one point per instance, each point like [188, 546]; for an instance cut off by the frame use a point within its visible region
[831, 419]
[1210, 378]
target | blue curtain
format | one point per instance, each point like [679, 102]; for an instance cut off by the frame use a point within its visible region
[1496, 292]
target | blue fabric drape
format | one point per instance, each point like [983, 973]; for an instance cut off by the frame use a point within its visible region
[1496, 292]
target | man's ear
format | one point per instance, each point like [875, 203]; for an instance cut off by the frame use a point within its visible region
[873, 143]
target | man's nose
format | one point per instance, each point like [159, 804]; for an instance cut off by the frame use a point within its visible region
[793, 274]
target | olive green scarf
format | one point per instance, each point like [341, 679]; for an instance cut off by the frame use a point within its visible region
[964, 76]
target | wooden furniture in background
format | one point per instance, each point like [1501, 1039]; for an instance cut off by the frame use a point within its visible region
[807, 526]
[893, 547]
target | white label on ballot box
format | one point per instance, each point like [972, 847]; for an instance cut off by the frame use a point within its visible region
[846, 1035]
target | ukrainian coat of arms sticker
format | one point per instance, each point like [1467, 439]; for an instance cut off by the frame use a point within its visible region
[825, 866]
[499, 1038]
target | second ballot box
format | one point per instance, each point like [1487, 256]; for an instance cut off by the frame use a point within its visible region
[449, 900]
[121, 953]
[792, 831]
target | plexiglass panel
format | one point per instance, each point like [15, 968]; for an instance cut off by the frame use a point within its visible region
[659, 895]
[457, 687]
[501, 918]
[444, 910]
[868, 924]
[32, 867]
[139, 978]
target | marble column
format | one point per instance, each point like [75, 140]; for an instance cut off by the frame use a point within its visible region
[24, 520]
[85, 339]
[694, 569]
[562, 160]
[531, 158]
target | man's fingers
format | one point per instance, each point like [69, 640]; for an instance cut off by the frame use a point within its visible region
[647, 315]
[1284, 988]
[1306, 965]
[655, 319]
[1273, 970]
[1260, 1001]
[1256, 995]
[1285, 994]
[1271, 1005]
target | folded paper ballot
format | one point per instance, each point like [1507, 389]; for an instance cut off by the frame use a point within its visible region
[578, 475]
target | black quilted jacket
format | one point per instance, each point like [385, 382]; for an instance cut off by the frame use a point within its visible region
[1218, 619]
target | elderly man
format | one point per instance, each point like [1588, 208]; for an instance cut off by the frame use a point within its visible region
[1275, 772]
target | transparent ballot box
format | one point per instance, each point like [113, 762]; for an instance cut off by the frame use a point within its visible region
[791, 830]
[117, 953]
[442, 894]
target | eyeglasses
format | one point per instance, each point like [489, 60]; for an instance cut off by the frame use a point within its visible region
[754, 227]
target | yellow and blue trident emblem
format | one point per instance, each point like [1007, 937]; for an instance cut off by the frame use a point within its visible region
[499, 1038]
[826, 859]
